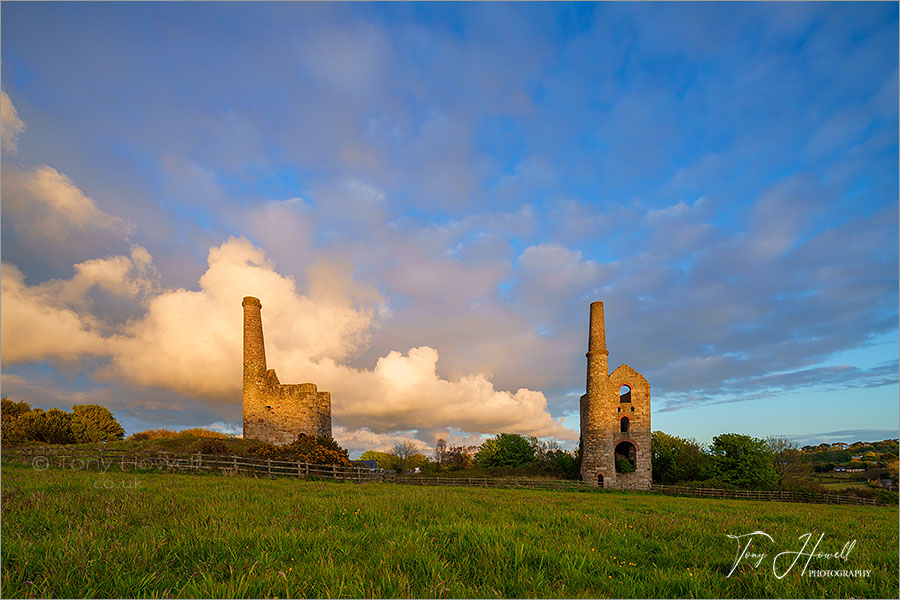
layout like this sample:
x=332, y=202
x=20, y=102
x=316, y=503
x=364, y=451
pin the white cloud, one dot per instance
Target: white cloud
x=53, y=319
x=364, y=439
x=35, y=326
x=189, y=342
x=12, y=125
x=47, y=204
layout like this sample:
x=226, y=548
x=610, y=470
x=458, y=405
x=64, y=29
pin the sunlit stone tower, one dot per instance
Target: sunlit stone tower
x=615, y=418
x=273, y=412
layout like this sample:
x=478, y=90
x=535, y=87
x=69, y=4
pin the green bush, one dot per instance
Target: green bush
x=505, y=450
x=10, y=410
x=743, y=461
x=58, y=427
x=623, y=465
x=887, y=497
x=94, y=423
x=308, y=449
x=11, y=429
x=212, y=446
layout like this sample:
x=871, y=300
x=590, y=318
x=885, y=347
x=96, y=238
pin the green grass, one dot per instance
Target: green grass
x=86, y=534
x=832, y=486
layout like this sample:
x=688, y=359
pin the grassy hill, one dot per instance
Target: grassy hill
x=175, y=443
x=74, y=534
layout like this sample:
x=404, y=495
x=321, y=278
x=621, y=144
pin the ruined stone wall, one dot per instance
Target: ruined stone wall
x=275, y=412
x=602, y=411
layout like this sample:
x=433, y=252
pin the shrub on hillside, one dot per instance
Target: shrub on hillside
x=94, y=423
x=164, y=434
x=57, y=427
x=21, y=424
x=205, y=433
x=152, y=434
x=11, y=429
x=308, y=449
x=9, y=409
x=212, y=446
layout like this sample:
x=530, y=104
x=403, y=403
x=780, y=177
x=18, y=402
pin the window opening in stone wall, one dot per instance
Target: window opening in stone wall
x=625, y=394
x=623, y=425
x=625, y=456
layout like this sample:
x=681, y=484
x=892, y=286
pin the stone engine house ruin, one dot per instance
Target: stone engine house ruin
x=615, y=418
x=274, y=412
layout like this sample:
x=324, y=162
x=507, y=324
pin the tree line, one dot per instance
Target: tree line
x=503, y=451
x=85, y=423
x=742, y=461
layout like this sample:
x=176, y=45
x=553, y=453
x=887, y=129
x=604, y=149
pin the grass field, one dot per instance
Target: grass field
x=86, y=534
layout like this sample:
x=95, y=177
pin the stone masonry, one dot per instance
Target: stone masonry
x=606, y=404
x=274, y=412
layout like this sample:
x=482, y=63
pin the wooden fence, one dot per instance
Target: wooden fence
x=497, y=482
x=778, y=495
x=101, y=459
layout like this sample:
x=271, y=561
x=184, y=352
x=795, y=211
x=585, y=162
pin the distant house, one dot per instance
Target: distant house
x=855, y=470
x=840, y=469
x=856, y=457
x=838, y=446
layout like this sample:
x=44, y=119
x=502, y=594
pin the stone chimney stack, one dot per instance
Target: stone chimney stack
x=597, y=354
x=254, y=347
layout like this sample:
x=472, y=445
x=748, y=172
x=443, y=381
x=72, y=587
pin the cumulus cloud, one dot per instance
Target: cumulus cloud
x=55, y=319
x=36, y=326
x=48, y=204
x=365, y=439
x=12, y=125
x=405, y=390
x=189, y=341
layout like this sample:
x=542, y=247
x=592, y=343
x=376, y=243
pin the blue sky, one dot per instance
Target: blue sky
x=464, y=179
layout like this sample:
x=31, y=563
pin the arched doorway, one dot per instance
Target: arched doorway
x=600, y=479
x=625, y=457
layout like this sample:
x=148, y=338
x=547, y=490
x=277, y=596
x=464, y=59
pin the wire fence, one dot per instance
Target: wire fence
x=101, y=459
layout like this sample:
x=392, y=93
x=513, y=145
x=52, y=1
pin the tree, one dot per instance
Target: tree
x=791, y=466
x=10, y=410
x=58, y=427
x=743, y=461
x=94, y=423
x=440, y=452
x=32, y=425
x=892, y=467
x=407, y=456
x=461, y=457
x=505, y=450
x=11, y=428
x=676, y=459
x=385, y=461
